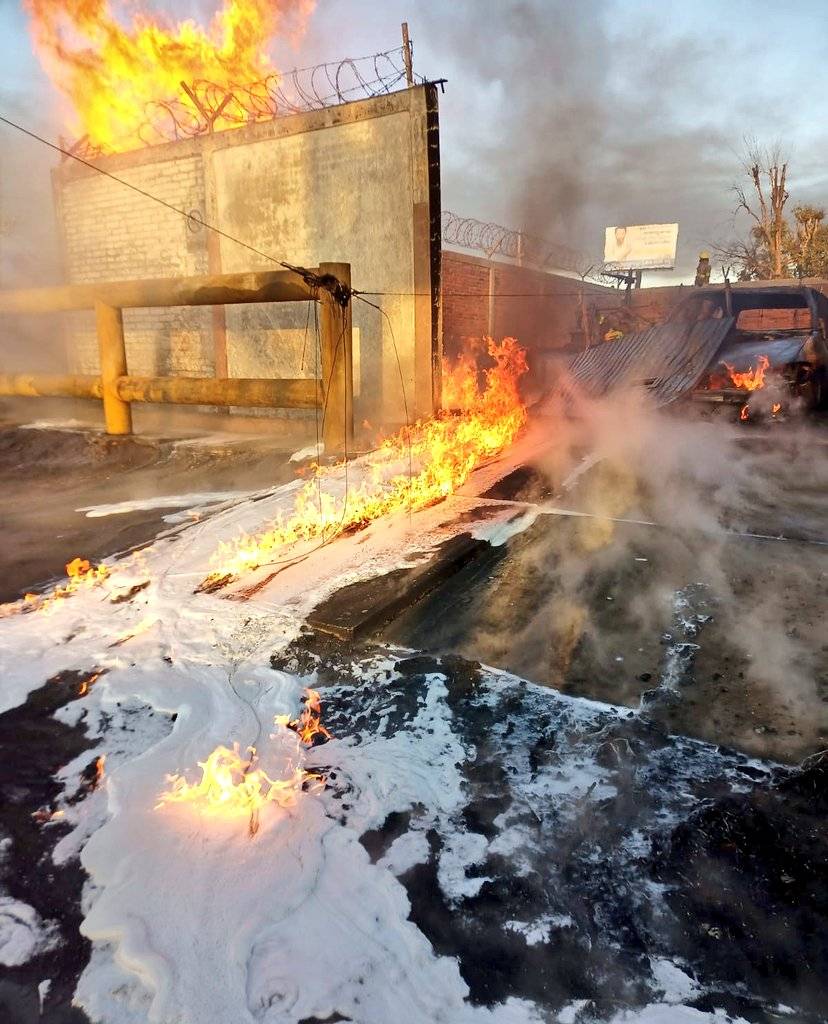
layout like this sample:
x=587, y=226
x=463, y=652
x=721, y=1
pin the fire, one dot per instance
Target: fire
x=750, y=380
x=83, y=688
x=118, y=79
x=81, y=575
x=776, y=408
x=308, y=725
x=442, y=453
x=143, y=626
x=744, y=413
x=234, y=786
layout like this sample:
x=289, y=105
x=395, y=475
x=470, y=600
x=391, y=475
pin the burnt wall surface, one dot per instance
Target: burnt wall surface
x=111, y=233
x=352, y=183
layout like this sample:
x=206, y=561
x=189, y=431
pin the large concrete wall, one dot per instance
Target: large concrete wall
x=357, y=183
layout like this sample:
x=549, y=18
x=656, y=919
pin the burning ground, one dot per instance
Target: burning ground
x=471, y=843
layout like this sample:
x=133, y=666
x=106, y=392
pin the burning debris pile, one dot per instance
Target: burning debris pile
x=420, y=465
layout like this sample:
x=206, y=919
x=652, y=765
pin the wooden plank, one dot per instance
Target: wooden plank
x=298, y=393
x=362, y=607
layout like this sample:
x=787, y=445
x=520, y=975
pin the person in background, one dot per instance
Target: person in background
x=703, y=270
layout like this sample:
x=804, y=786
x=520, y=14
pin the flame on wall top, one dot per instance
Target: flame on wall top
x=114, y=74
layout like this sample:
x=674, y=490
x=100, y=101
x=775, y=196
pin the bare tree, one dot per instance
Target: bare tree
x=764, y=253
x=768, y=170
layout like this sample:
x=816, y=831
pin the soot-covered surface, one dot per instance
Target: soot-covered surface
x=596, y=863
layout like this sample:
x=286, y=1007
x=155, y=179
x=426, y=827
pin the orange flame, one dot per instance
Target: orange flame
x=776, y=408
x=750, y=380
x=308, y=725
x=744, y=413
x=81, y=575
x=443, y=452
x=83, y=689
x=234, y=786
x=115, y=77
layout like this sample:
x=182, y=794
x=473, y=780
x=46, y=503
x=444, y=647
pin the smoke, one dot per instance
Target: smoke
x=563, y=118
x=604, y=602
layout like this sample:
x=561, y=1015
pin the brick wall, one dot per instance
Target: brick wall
x=465, y=283
x=542, y=310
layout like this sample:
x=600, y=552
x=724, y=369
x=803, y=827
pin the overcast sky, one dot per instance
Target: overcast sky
x=561, y=117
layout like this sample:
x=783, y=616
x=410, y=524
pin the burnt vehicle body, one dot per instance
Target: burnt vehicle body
x=774, y=356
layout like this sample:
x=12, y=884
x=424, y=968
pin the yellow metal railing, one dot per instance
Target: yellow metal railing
x=333, y=393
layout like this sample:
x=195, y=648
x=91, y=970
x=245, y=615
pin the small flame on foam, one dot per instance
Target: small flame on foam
x=233, y=785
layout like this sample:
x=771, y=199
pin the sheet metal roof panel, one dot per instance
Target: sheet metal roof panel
x=668, y=359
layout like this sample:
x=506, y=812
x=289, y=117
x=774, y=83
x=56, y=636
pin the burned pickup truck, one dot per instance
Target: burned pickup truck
x=774, y=356
x=758, y=348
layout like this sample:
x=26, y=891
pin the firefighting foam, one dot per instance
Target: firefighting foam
x=120, y=80
x=234, y=785
x=415, y=468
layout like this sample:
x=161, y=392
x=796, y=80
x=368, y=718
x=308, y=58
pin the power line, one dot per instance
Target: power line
x=194, y=219
x=142, y=192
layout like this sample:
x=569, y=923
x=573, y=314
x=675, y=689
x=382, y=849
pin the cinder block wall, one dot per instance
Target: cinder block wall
x=356, y=183
x=111, y=233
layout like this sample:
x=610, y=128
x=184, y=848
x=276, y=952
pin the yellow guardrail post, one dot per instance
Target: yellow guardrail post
x=110, y=325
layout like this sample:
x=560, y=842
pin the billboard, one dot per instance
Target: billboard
x=641, y=247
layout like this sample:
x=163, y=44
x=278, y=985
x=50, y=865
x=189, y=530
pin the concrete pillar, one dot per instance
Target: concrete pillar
x=110, y=325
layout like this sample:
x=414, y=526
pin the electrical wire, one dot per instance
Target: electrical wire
x=360, y=296
x=142, y=192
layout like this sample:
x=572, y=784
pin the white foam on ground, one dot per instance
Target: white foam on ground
x=668, y=1013
x=190, y=918
x=198, y=499
x=22, y=933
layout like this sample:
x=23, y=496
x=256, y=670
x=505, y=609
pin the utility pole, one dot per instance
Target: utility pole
x=407, y=59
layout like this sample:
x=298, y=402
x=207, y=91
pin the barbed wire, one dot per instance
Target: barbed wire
x=496, y=240
x=205, y=106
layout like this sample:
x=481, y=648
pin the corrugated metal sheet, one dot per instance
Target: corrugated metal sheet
x=667, y=359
